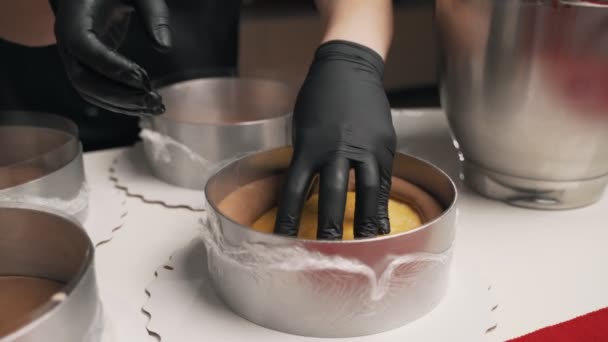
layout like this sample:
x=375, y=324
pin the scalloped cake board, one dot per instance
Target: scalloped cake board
x=107, y=210
x=131, y=172
x=184, y=307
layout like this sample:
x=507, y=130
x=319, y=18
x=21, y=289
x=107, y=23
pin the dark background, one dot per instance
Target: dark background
x=282, y=35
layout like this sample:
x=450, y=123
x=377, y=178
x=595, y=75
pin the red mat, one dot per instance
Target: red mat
x=592, y=327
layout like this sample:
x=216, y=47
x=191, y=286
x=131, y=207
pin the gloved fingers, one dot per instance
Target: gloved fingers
x=384, y=224
x=385, y=157
x=113, y=96
x=292, y=200
x=155, y=15
x=92, y=52
x=367, y=189
x=99, y=102
x=332, y=198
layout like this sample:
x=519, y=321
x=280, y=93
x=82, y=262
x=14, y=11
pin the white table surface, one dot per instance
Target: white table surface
x=126, y=264
x=545, y=267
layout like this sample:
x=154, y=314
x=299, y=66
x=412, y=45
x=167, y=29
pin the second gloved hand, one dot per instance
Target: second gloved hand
x=342, y=120
x=88, y=32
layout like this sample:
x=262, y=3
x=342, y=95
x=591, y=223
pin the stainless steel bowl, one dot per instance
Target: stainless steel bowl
x=40, y=244
x=524, y=86
x=323, y=288
x=41, y=162
x=211, y=120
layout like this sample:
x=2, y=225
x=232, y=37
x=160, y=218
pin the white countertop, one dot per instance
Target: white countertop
x=545, y=267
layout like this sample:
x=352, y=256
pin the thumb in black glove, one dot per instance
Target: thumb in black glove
x=88, y=32
x=342, y=120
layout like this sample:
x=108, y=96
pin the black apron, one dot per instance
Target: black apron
x=205, y=40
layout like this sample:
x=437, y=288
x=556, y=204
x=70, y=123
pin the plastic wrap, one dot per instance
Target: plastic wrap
x=176, y=163
x=183, y=282
x=76, y=206
x=160, y=144
x=363, y=291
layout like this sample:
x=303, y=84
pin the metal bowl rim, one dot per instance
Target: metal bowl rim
x=219, y=124
x=48, y=308
x=445, y=213
x=72, y=132
x=80, y=155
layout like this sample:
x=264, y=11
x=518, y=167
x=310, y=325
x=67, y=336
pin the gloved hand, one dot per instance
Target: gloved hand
x=342, y=120
x=88, y=32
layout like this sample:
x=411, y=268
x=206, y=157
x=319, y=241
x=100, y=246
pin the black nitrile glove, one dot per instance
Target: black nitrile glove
x=342, y=120
x=88, y=32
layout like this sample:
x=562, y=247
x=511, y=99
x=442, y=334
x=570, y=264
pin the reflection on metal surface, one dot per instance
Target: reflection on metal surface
x=38, y=243
x=41, y=162
x=524, y=85
x=215, y=120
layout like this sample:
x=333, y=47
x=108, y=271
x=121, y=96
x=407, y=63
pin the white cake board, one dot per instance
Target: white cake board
x=132, y=173
x=106, y=212
x=184, y=307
